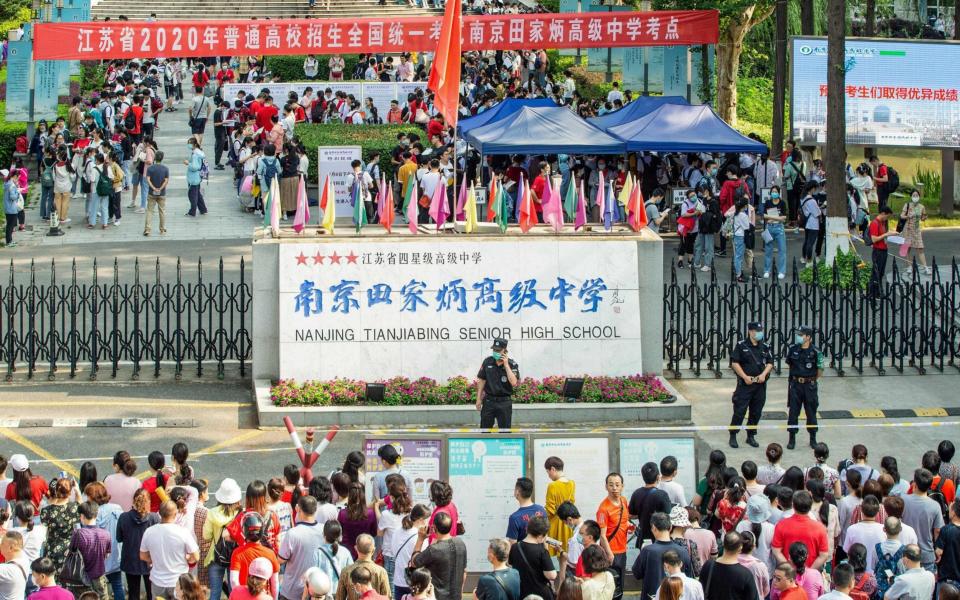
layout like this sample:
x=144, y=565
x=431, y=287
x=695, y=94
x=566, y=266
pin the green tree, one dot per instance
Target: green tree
x=10, y=11
x=737, y=18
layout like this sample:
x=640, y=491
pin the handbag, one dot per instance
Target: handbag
x=766, y=236
x=903, y=219
x=421, y=117
x=247, y=186
x=74, y=570
x=223, y=550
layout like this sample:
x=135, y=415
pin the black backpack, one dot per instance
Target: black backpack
x=711, y=219
x=130, y=119
x=936, y=494
x=893, y=180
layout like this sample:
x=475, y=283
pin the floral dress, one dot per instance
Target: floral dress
x=911, y=231
x=60, y=520
x=730, y=514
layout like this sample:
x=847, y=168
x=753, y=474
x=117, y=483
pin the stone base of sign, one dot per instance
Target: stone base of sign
x=570, y=414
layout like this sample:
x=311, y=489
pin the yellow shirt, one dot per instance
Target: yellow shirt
x=403, y=174
x=558, y=492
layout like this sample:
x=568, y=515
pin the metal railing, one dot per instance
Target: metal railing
x=147, y=319
x=907, y=321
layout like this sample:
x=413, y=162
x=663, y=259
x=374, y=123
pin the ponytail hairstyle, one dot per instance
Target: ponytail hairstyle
x=24, y=512
x=180, y=453
x=818, y=491
x=749, y=542
x=129, y=467
x=353, y=464
x=156, y=461
x=756, y=529
x=417, y=513
x=798, y=556
x=179, y=496
x=275, y=489
x=120, y=458
x=419, y=580
x=88, y=474
x=735, y=490
x=331, y=533
x=255, y=585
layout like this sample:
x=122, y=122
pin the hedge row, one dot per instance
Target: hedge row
x=8, y=136
x=368, y=137
x=290, y=68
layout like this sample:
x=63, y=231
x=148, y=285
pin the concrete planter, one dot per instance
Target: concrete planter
x=567, y=414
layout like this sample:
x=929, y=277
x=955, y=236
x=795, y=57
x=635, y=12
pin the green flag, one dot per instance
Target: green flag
x=570, y=200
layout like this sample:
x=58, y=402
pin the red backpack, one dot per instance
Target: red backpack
x=857, y=592
x=21, y=145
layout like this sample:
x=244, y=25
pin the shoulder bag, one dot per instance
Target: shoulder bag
x=333, y=563
x=74, y=570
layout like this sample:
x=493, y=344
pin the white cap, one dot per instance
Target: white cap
x=4, y=173
x=316, y=581
x=229, y=492
x=19, y=462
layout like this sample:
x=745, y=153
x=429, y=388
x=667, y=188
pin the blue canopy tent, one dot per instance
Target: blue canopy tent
x=542, y=130
x=679, y=128
x=507, y=107
x=642, y=106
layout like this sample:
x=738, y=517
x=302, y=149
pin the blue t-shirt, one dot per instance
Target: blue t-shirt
x=517, y=524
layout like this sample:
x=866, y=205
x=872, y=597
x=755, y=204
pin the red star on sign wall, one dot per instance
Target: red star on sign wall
x=352, y=258
x=335, y=258
x=301, y=260
x=318, y=258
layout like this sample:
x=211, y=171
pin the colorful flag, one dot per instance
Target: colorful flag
x=636, y=210
x=411, y=205
x=357, y=203
x=470, y=212
x=462, y=200
x=570, y=200
x=611, y=209
x=624, y=197
x=386, y=211
x=528, y=211
x=445, y=72
x=328, y=203
x=602, y=194
x=501, y=208
x=492, y=199
x=275, y=206
x=553, y=210
x=302, y=217
x=581, y=217
x=439, y=210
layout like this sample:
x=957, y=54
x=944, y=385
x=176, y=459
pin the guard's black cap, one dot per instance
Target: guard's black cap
x=755, y=326
x=805, y=330
x=499, y=344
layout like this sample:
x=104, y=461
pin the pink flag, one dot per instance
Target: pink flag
x=553, y=209
x=413, y=207
x=438, y=204
x=462, y=201
x=302, y=217
x=381, y=195
x=581, y=218
x=602, y=194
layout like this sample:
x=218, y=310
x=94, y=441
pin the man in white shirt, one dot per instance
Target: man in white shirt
x=298, y=548
x=843, y=580
x=615, y=93
x=169, y=550
x=668, y=474
x=673, y=566
x=14, y=572
x=915, y=583
x=867, y=532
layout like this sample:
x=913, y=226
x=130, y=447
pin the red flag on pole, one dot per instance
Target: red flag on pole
x=445, y=72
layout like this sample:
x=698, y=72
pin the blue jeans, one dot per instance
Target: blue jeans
x=388, y=564
x=738, y=252
x=99, y=206
x=125, y=165
x=116, y=585
x=780, y=244
x=217, y=584
x=703, y=249
x=46, y=202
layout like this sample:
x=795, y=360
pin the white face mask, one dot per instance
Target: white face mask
x=914, y=199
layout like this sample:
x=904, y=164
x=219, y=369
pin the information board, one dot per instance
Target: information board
x=585, y=462
x=419, y=459
x=46, y=89
x=898, y=92
x=19, y=64
x=483, y=474
x=634, y=452
x=335, y=162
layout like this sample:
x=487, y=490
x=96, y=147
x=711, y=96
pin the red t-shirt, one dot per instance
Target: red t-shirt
x=537, y=187
x=150, y=484
x=881, y=174
x=801, y=528
x=434, y=127
x=265, y=117
x=200, y=79
x=878, y=228
x=235, y=528
x=138, y=117
x=38, y=489
x=245, y=554
x=949, y=489
x=225, y=76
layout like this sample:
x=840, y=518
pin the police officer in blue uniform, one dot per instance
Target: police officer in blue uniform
x=498, y=376
x=752, y=362
x=806, y=367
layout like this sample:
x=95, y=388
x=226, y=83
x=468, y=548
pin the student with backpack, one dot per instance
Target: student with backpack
x=710, y=222
x=923, y=514
x=195, y=165
x=809, y=214
x=889, y=555
x=794, y=181
x=46, y=183
x=102, y=190
x=886, y=180
x=774, y=237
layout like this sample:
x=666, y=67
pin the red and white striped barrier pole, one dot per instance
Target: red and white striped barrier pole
x=307, y=461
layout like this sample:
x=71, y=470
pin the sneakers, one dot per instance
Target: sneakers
x=140, y=211
x=740, y=279
x=780, y=276
x=131, y=205
x=705, y=269
x=116, y=223
x=12, y=245
x=146, y=234
x=65, y=221
x=766, y=274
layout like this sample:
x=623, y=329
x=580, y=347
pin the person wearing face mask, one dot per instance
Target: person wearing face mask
x=498, y=375
x=774, y=237
x=806, y=367
x=752, y=361
x=912, y=215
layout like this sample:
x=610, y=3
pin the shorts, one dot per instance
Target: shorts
x=198, y=126
x=170, y=90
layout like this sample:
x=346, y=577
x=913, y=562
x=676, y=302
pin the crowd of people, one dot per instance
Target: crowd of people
x=757, y=531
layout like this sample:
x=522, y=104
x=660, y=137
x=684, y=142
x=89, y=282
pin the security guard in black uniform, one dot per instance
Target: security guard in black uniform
x=752, y=362
x=806, y=366
x=498, y=376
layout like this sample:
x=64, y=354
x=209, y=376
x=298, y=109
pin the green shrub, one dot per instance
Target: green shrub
x=8, y=136
x=290, y=68
x=368, y=137
x=850, y=269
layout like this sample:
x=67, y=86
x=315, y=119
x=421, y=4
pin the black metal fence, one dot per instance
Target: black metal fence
x=912, y=321
x=146, y=318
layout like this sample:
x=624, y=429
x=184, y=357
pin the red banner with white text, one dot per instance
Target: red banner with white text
x=132, y=39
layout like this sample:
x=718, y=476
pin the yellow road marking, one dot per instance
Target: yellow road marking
x=930, y=412
x=158, y=403
x=32, y=447
x=867, y=413
x=247, y=435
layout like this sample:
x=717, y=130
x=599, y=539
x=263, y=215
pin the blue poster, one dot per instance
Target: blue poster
x=46, y=89
x=675, y=65
x=653, y=57
x=19, y=63
x=597, y=57
x=634, y=452
x=633, y=69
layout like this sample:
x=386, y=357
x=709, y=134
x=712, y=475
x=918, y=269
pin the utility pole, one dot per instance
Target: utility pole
x=837, y=235
x=779, y=77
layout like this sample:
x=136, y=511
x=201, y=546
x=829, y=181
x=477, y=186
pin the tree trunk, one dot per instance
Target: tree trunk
x=779, y=77
x=956, y=19
x=807, y=25
x=870, y=28
x=837, y=235
x=728, y=64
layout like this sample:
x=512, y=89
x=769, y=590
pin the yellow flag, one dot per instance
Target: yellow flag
x=470, y=210
x=624, y=196
x=330, y=212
